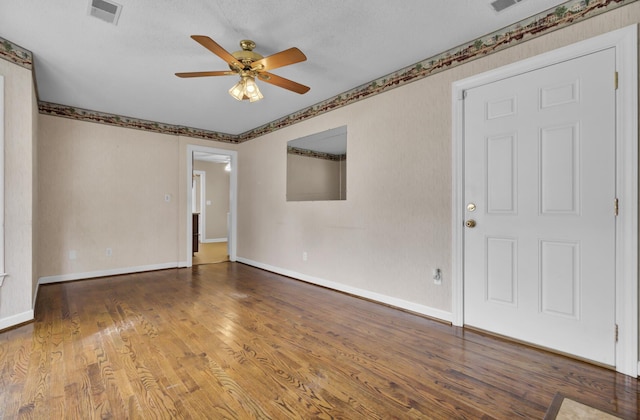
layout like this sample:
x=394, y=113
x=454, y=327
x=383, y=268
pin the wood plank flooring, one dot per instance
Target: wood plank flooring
x=231, y=341
x=210, y=253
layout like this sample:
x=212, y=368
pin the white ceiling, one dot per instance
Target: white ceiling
x=129, y=69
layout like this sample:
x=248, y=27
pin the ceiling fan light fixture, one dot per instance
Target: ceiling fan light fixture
x=251, y=90
x=237, y=91
x=246, y=88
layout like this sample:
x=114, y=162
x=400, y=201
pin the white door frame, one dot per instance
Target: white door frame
x=203, y=214
x=2, y=242
x=626, y=270
x=233, y=194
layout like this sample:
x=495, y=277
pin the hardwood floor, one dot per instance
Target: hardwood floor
x=231, y=341
x=210, y=253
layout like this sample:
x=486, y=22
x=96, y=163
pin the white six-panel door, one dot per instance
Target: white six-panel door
x=539, y=184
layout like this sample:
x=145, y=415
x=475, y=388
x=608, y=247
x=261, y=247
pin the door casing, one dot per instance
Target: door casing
x=626, y=271
x=233, y=201
x=203, y=195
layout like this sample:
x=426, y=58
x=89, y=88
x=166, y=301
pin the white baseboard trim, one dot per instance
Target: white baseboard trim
x=210, y=241
x=103, y=273
x=16, y=319
x=398, y=303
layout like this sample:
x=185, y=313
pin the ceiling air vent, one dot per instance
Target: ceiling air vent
x=500, y=5
x=105, y=10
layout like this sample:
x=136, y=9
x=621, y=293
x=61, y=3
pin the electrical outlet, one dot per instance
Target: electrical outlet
x=109, y=252
x=167, y=197
x=73, y=255
x=437, y=276
x=304, y=256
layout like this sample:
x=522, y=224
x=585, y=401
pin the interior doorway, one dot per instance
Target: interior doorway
x=211, y=205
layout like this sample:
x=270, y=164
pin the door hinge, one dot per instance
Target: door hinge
x=616, y=207
x=615, y=80
x=616, y=333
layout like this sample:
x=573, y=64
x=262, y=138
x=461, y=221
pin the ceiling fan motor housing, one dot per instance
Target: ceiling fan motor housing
x=246, y=56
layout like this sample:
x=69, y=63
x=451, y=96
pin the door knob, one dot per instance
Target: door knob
x=470, y=223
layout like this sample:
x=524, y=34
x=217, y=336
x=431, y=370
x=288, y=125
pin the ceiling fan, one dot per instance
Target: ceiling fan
x=248, y=65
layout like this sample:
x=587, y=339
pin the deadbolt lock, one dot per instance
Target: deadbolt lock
x=470, y=223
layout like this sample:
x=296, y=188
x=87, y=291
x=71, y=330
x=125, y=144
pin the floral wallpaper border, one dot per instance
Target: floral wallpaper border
x=568, y=13
x=135, y=123
x=317, y=155
x=16, y=54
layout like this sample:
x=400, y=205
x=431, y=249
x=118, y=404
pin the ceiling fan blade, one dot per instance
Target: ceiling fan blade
x=205, y=73
x=283, y=83
x=213, y=46
x=283, y=58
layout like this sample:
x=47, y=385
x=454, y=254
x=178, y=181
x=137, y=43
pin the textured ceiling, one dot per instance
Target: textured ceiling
x=128, y=69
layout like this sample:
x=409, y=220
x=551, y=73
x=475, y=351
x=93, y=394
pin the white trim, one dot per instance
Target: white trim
x=625, y=42
x=398, y=303
x=16, y=319
x=210, y=241
x=2, y=242
x=233, y=194
x=105, y=273
x=202, y=228
x=627, y=192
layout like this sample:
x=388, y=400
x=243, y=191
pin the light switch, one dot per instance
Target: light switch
x=208, y=202
x=437, y=276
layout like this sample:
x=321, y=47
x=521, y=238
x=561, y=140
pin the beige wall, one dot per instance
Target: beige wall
x=217, y=191
x=17, y=292
x=104, y=187
x=312, y=179
x=395, y=226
